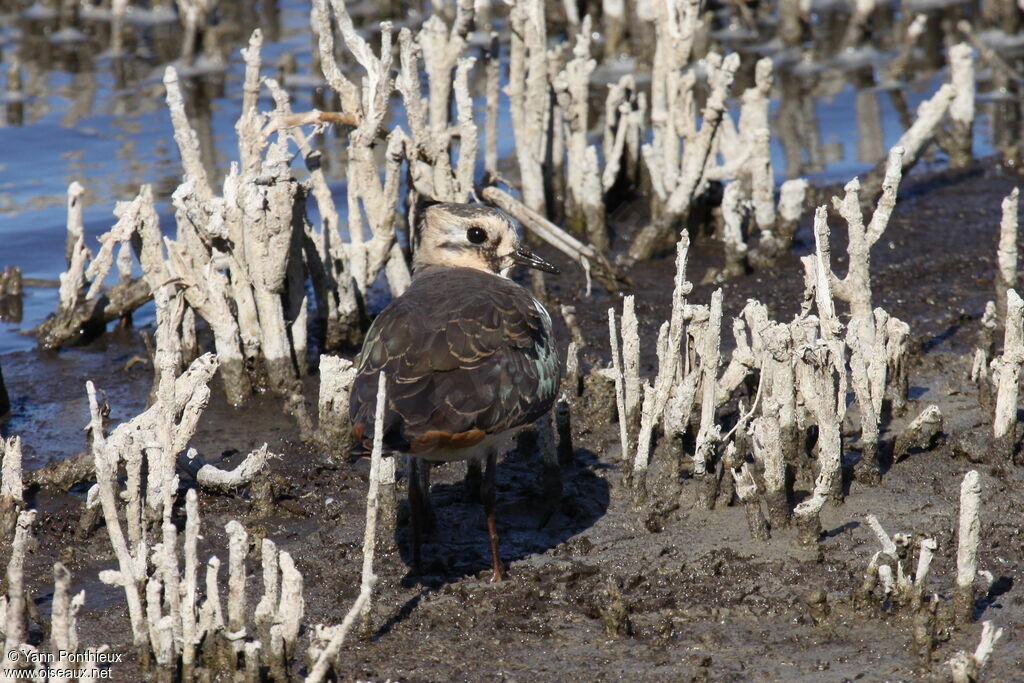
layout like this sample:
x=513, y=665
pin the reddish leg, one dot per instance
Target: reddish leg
x=488, y=492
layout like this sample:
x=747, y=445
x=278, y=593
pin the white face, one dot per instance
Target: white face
x=469, y=236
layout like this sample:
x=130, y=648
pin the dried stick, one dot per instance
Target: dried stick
x=492, y=61
x=348, y=91
x=272, y=225
x=211, y=619
x=1006, y=373
x=966, y=667
x=210, y=477
x=856, y=26
x=159, y=434
x=336, y=378
x=1006, y=255
x=185, y=136
x=766, y=435
x=190, y=636
x=684, y=394
x=63, y=622
x=746, y=491
x=896, y=69
x=961, y=109
x=928, y=546
x=130, y=574
x=779, y=378
x=118, y=236
x=733, y=218
x=779, y=239
x=656, y=400
x=892, y=359
x=709, y=435
x=528, y=91
x=15, y=627
x=572, y=370
x=620, y=384
x=206, y=291
x=822, y=387
x=431, y=135
x=72, y=280
x=914, y=141
x=990, y=56
x=671, y=99
x=315, y=117
x=327, y=657
x=625, y=111
x=968, y=538
x=817, y=278
x=80, y=315
x=468, y=135
x=251, y=55
x=75, y=226
x=748, y=356
x=919, y=433
x=586, y=209
x=870, y=580
x=324, y=254
x=868, y=371
x=754, y=128
x=11, y=485
x=442, y=49
x=888, y=546
x=291, y=608
x=985, y=349
x=366, y=192
x=631, y=366
x=681, y=186
x=266, y=609
x=587, y=256
x=238, y=544
x=250, y=142
x=929, y=114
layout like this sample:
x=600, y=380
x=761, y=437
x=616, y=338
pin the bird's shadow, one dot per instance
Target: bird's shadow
x=536, y=511
x=999, y=587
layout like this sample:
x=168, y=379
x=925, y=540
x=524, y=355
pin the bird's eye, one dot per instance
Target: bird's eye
x=476, y=235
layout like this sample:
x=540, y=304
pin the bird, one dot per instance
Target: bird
x=468, y=355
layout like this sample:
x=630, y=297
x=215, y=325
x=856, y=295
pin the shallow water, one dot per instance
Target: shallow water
x=87, y=117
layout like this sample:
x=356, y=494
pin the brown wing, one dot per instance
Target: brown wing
x=465, y=354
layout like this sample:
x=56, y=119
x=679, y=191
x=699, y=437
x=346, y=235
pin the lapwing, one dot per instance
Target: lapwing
x=468, y=355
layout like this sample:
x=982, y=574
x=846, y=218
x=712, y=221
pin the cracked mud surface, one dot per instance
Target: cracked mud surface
x=598, y=589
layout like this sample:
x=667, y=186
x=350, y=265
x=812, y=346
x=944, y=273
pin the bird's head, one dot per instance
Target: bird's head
x=472, y=236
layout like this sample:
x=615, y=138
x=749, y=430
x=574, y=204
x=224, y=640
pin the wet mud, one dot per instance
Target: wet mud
x=599, y=587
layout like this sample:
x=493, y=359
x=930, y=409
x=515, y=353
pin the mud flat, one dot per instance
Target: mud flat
x=599, y=586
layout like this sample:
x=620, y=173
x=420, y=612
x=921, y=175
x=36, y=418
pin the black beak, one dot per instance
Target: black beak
x=524, y=256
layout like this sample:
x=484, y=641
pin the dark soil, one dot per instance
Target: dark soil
x=598, y=589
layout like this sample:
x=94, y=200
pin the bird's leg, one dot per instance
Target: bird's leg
x=489, y=492
x=474, y=481
x=415, y=511
x=428, y=518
